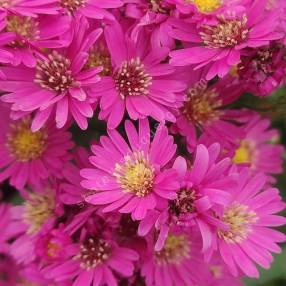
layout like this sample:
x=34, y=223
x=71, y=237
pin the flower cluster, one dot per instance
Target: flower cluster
x=123, y=136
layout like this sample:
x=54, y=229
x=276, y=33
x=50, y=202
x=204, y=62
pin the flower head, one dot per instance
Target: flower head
x=135, y=178
x=26, y=156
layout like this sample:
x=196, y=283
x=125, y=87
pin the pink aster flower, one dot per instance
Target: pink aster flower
x=31, y=34
x=35, y=217
x=152, y=17
x=258, y=149
x=250, y=216
x=58, y=86
x=138, y=81
x=206, y=111
x=180, y=262
x=94, y=260
x=132, y=178
x=262, y=71
x=94, y=9
x=28, y=157
x=218, y=45
x=203, y=191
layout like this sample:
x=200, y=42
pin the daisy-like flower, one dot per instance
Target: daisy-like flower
x=139, y=82
x=203, y=191
x=180, y=262
x=94, y=260
x=94, y=9
x=258, y=149
x=262, y=71
x=31, y=157
x=132, y=178
x=219, y=43
x=59, y=85
x=151, y=16
x=205, y=111
x=37, y=215
x=31, y=34
x=250, y=216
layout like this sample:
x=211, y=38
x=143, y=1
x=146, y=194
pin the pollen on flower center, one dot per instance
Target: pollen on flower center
x=54, y=73
x=207, y=5
x=184, y=202
x=202, y=105
x=24, y=144
x=227, y=33
x=26, y=28
x=38, y=209
x=131, y=79
x=93, y=252
x=136, y=175
x=244, y=153
x=176, y=248
x=99, y=56
x=72, y=5
x=239, y=219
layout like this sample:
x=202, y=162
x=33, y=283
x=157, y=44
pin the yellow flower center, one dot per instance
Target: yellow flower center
x=24, y=27
x=206, y=6
x=38, y=209
x=99, y=56
x=176, y=248
x=202, y=105
x=244, y=153
x=238, y=218
x=135, y=175
x=24, y=144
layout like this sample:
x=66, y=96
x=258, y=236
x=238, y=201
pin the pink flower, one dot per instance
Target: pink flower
x=59, y=86
x=262, y=71
x=28, y=157
x=178, y=263
x=93, y=261
x=203, y=191
x=250, y=216
x=258, y=148
x=218, y=45
x=29, y=35
x=206, y=111
x=138, y=81
x=132, y=178
x=36, y=217
x=151, y=17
